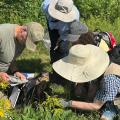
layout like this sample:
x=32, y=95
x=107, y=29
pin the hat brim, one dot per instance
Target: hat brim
x=81, y=74
x=71, y=16
x=29, y=44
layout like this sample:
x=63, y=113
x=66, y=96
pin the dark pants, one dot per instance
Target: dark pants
x=57, y=54
x=109, y=111
x=62, y=49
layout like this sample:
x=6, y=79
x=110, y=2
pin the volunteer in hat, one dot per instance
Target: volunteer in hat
x=104, y=40
x=60, y=14
x=85, y=66
x=13, y=39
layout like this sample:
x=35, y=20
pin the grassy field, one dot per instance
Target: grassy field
x=34, y=62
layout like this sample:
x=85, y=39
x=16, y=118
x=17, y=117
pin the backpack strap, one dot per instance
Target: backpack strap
x=113, y=69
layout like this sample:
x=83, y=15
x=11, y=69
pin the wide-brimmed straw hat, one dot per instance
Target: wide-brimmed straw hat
x=35, y=34
x=84, y=63
x=63, y=10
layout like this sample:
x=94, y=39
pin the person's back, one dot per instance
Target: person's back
x=13, y=39
x=8, y=46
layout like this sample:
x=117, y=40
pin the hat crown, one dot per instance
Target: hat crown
x=64, y=6
x=77, y=28
x=36, y=31
x=35, y=34
x=77, y=56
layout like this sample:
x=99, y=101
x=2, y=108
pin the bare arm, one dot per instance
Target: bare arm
x=87, y=106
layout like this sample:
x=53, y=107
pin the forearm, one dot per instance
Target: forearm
x=85, y=105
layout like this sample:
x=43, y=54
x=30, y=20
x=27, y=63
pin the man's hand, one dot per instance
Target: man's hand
x=4, y=76
x=20, y=76
x=65, y=103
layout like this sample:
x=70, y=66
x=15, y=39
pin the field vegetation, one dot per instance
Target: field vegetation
x=99, y=15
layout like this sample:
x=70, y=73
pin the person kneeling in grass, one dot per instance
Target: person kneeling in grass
x=106, y=41
x=86, y=63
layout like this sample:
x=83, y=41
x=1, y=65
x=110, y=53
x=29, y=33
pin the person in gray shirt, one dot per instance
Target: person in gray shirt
x=13, y=39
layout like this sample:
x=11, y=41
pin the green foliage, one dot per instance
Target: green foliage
x=106, y=9
x=57, y=89
x=50, y=111
x=52, y=103
x=20, y=11
x=104, y=25
x=61, y=91
x=3, y=84
x=38, y=59
x=5, y=107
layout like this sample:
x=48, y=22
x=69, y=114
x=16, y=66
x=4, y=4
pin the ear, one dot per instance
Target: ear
x=24, y=28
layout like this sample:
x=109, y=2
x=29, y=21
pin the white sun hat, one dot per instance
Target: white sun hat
x=84, y=63
x=63, y=10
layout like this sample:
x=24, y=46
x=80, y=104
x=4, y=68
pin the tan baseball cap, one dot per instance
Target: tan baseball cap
x=35, y=34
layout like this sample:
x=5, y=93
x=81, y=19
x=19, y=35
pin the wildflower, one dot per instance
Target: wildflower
x=2, y=114
x=3, y=83
x=7, y=104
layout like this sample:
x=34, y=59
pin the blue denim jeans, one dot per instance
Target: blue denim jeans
x=109, y=115
x=109, y=111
